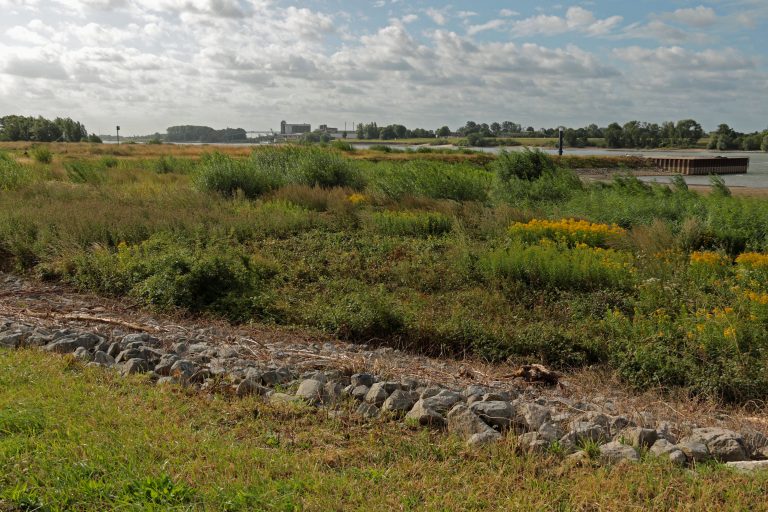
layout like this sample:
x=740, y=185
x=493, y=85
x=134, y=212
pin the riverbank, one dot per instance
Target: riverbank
x=199, y=415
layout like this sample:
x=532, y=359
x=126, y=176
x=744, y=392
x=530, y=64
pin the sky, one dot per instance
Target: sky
x=150, y=64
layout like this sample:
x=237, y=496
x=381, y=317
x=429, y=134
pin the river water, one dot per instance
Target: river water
x=756, y=177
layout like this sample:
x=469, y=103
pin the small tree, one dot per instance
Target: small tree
x=443, y=131
x=764, y=145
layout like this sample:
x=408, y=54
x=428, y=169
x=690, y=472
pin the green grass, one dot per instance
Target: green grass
x=86, y=439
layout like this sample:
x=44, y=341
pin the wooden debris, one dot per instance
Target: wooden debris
x=536, y=373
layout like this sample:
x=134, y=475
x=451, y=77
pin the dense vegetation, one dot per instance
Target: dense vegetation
x=685, y=133
x=506, y=258
x=189, y=133
x=39, y=129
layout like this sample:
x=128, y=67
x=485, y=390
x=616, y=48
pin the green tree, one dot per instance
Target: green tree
x=613, y=135
x=443, y=131
x=387, y=133
x=371, y=131
x=688, y=132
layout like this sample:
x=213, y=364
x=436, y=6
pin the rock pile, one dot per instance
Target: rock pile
x=478, y=414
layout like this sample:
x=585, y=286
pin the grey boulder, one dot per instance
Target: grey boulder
x=616, y=451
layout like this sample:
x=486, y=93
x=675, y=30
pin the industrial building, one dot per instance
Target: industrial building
x=294, y=129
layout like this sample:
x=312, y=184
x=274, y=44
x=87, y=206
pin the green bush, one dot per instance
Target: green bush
x=362, y=315
x=717, y=353
x=226, y=175
x=409, y=223
x=12, y=174
x=306, y=165
x=528, y=164
x=552, y=186
x=169, y=272
x=272, y=167
x=41, y=154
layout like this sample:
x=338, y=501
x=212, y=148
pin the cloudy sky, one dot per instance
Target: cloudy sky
x=149, y=64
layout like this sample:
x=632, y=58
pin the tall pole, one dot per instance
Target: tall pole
x=118, y=135
x=560, y=141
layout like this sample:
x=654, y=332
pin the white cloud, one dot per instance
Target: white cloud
x=489, y=25
x=696, y=17
x=153, y=63
x=661, y=32
x=508, y=13
x=576, y=19
x=437, y=16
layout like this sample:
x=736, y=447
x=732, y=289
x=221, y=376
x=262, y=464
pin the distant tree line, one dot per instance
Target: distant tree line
x=191, y=133
x=633, y=134
x=391, y=132
x=725, y=138
x=40, y=129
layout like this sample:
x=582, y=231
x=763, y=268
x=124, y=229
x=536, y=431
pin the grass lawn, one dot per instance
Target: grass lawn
x=76, y=438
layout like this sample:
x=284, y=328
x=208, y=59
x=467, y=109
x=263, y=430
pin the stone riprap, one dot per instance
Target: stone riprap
x=480, y=415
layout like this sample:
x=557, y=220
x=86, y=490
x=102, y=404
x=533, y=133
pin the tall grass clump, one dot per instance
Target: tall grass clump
x=529, y=164
x=532, y=176
x=41, y=154
x=307, y=165
x=550, y=265
x=277, y=218
x=12, y=174
x=226, y=175
x=84, y=172
x=409, y=223
x=342, y=145
x=436, y=180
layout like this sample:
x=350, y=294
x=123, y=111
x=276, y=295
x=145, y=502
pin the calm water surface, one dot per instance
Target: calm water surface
x=757, y=176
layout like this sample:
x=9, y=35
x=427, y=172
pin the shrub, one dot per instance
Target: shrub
x=12, y=174
x=409, y=223
x=41, y=154
x=553, y=185
x=167, y=272
x=220, y=173
x=529, y=164
x=716, y=352
x=363, y=315
x=306, y=165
